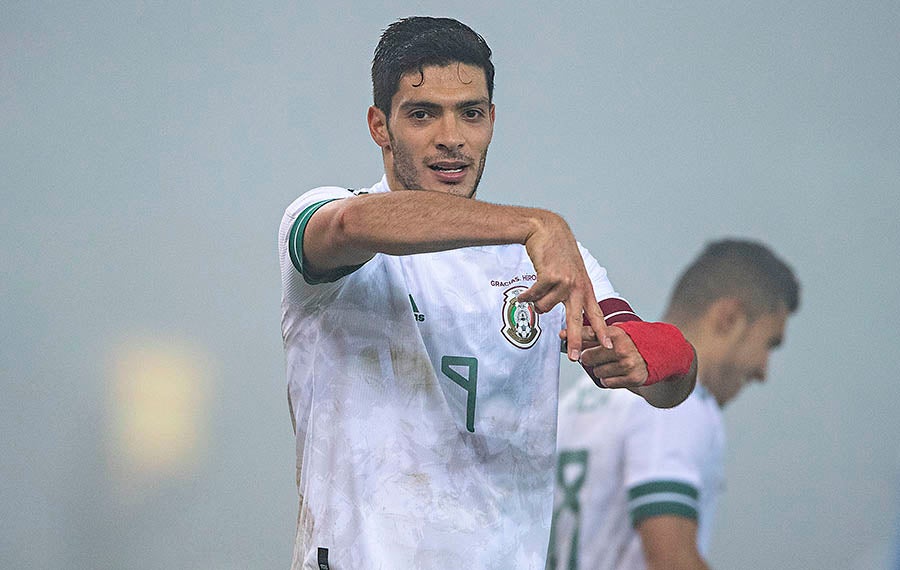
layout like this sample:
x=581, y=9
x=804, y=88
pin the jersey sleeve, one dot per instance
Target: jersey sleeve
x=298, y=285
x=603, y=289
x=665, y=455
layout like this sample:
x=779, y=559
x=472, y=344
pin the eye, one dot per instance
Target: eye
x=419, y=115
x=473, y=113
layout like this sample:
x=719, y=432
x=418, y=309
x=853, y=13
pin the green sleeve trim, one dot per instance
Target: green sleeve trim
x=663, y=487
x=645, y=512
x=662, y=498
x=295, y=248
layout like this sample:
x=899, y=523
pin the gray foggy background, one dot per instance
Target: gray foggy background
x=148, y=151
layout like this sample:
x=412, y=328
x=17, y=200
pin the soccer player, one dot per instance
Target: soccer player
x=637, y=486
x=422, y=333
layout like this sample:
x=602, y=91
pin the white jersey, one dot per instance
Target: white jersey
x=621, y=461
x=425, y=400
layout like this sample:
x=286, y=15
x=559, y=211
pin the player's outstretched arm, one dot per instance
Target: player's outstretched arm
x=350, y=232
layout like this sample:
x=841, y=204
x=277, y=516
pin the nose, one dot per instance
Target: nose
x=449, y=136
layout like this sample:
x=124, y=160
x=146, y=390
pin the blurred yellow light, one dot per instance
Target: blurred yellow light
x=158, y=411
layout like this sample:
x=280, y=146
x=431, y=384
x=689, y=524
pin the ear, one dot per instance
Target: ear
x=727, y=317
x=378, y=127
x=493, y=113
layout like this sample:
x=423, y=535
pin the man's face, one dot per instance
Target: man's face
x=746, y=357
x=439, y=130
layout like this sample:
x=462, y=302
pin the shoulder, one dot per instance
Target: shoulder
x=312, y=199
x=308, y=202
x=603, y=288
x=587, y=257
x=315, y=196
x=674, y=443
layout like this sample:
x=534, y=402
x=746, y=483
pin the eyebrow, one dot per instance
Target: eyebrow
x=432, y=106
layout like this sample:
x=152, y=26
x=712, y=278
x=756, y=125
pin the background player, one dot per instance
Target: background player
x=420, y=331
x=637, y=486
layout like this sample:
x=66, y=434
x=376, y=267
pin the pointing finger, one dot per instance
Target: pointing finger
x=594, y=315
x=573, y=326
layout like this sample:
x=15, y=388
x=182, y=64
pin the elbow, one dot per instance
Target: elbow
x=341, y=225
x=682, y=385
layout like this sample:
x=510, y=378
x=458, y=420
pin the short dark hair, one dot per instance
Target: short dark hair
x=411, y=44
x=742, y=269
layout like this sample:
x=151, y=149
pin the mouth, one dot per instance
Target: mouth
x=449, y=167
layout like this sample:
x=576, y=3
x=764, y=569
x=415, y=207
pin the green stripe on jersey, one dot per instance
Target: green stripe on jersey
x=662, y=487
x=662, y=498
x=644, y=512
x=295, y=237
x=295, y=247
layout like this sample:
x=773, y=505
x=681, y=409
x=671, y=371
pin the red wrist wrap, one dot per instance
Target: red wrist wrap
x=663, y=348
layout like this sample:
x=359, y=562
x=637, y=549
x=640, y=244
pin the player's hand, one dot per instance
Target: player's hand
x=562, y=278
x=588, y=339
x=619, y=367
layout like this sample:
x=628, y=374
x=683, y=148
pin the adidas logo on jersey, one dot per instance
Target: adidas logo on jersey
x=420, y=317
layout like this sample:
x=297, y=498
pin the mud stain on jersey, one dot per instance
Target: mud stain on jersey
x=370, y=367
x=412, y=368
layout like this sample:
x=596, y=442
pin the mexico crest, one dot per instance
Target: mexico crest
x=521, y=322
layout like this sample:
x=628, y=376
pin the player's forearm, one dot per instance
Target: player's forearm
x=408, y=222
x=671, y=392
x=351, y=231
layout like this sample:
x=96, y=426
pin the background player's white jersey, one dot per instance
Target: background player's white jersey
x=621, y=461
x=425, y=402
